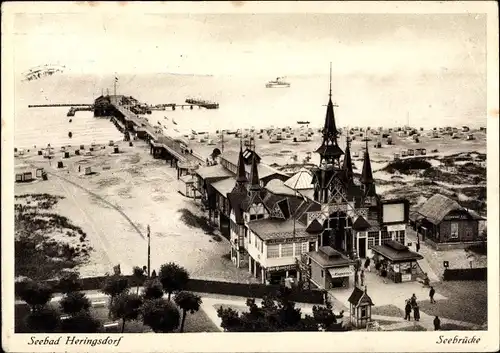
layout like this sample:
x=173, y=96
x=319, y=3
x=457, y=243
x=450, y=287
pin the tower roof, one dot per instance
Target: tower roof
x=242, y=175
x=329, y=148
x=347, y=161
x=366, y=173
x=254, y=176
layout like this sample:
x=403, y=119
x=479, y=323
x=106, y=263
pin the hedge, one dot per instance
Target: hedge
x=465, y=274
x=252, y=290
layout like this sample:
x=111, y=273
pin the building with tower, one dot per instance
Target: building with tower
x=318, y=220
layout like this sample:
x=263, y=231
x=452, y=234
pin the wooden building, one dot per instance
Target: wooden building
x=360, y=307
x=398, y=261
x=329, y=268
x=444, y=223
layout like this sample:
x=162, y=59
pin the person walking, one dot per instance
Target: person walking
x=408, y=310
x=418, y=246
x=356, y=278
x=437, y=324
x=431, y=295
x=413, y=300
x=416, y=313
x=362, y=278
x=367, y=264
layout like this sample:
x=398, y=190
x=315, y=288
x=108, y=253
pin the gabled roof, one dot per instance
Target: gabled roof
x=395, y=251
x=268, y=229
x=224, y=186
x=300, y=180
x=437, y=207
x=359, y=296
x=214, y=171
x=314, y=227
x=326, y=257
x=360, y=224
x=366, y=173
x=277, y=186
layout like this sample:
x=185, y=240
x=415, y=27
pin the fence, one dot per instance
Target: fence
x=252, y=290
x=465, y=274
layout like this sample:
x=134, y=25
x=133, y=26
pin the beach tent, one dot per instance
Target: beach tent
x=88, y=170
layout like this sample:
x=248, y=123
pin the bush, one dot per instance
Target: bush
x=406, y=166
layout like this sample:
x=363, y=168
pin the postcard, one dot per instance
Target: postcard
x=250, y=176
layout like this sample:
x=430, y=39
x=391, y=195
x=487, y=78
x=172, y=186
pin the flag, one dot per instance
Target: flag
x=149, y=230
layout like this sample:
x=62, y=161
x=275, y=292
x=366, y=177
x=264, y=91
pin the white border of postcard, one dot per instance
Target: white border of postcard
x=251, y=342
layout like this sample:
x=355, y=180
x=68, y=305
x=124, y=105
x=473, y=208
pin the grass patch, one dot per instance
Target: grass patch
x=388, y=310
x=201, y=222
x=407, y=166
x=45, y=241
x=412, y=328
x=453, y=327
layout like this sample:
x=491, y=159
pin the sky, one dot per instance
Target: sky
x=253, y=44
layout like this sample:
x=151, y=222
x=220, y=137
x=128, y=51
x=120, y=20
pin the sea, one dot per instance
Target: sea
x=361, y=100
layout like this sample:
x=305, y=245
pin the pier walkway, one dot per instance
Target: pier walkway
x=157, y=140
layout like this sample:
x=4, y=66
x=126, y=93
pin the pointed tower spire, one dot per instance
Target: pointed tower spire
x=329, y=150
x=242, y=175
x=254, y=176
x=366, y=174
x=348, y=161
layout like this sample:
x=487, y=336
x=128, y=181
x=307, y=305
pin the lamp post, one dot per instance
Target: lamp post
x=149, y=251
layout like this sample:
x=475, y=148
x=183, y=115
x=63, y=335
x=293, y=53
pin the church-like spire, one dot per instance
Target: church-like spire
x=241, y=177
x=254, y=176
x=347, y=160
x=366, y=173
x=329, y=150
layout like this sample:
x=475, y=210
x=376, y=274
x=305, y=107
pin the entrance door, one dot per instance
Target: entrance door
x=362, y=248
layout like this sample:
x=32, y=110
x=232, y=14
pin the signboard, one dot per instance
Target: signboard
x=406, y=278
x=396, y=227
x=394, y=212
x=340, y=272
x=291, y=240
x=282, y=268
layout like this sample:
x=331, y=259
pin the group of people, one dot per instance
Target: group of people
x=411, y=304
x=359, y=276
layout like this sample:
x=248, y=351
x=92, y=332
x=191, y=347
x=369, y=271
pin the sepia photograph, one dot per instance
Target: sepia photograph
x=197, y=169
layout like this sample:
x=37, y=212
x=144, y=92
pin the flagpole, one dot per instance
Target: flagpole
x=149, y=251
x=116, y=79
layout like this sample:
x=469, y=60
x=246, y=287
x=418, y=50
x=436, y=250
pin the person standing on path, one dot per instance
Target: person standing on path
x=431, y=295
x=408, y=311
x=418, y=246
x=413, y=300
x=367, y=264
x=437, y=324
x=362, y=278
x=356, y=278
x=416, y=313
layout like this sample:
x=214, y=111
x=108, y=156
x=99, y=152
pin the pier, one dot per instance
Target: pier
x=161, y=145
x=90, y=106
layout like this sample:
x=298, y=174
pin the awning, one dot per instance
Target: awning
x=340, y=272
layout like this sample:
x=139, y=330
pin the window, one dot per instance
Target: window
x=301, y=248
x=286, y=250
x=363, y=312
x=260, y=216
x=253, y=217
x=273, y=251
x=454, y=230
x=371, y=242
x=401, y=236
x=385, y=237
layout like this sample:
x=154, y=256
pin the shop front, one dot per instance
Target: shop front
x=329, y=268
x=396, y=262
x=279, y=274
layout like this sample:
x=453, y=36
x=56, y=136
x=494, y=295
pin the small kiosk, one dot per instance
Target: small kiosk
x=361, y=308
x=397, y=262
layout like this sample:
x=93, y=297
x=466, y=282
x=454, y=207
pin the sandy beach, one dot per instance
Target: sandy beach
x=115, y=205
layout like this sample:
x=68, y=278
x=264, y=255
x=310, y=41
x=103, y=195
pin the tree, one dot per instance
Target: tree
x=35, y=294
x=74, y=302
x=173, y=278
x=126, y=306
x=278, y=313
x=114, y=286
x=152, y=289
x=138, y=276
x=82, y=322
x=70, y=282
x=43, y=320
x=160, y=315
x=187, y=302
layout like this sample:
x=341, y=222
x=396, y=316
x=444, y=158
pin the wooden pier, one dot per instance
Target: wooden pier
x=59, y=105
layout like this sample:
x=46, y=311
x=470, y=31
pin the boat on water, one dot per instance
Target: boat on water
x=301, y=122
x=278, y=83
